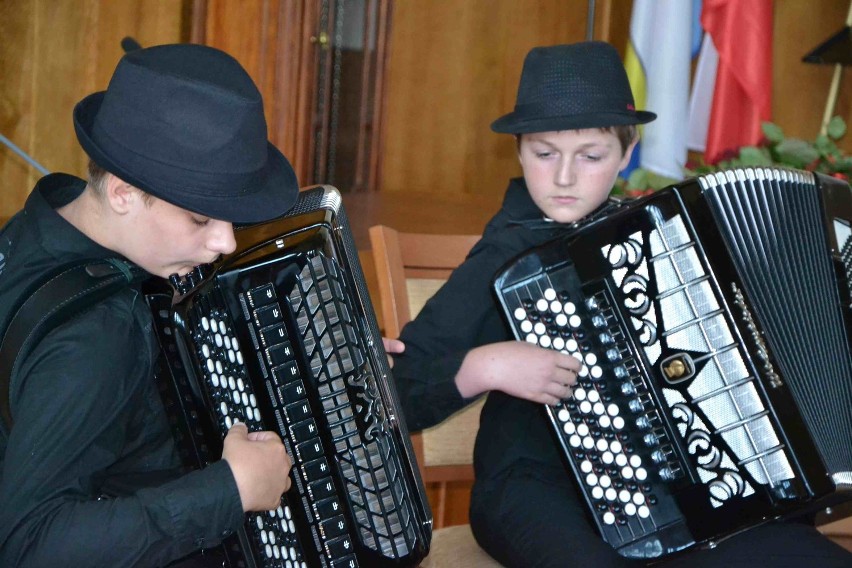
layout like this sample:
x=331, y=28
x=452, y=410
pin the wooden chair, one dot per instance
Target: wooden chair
x=839, y=531
x=410, y=267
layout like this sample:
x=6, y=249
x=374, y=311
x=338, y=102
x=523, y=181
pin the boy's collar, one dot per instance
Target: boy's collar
x=523, y=210
x=518, y=202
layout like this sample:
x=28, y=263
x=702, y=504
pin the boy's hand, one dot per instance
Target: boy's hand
x=520, y=369
x=260, y=465
x=392, y=346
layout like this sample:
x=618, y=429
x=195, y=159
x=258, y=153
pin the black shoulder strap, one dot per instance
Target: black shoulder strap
x=62, y=296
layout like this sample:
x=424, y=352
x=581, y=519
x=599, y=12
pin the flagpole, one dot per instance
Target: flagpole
x=590, y=21
x=835, y=86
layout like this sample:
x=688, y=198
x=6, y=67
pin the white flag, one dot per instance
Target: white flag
x=661, y=38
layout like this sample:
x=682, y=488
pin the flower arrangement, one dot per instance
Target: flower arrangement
x=822, y=155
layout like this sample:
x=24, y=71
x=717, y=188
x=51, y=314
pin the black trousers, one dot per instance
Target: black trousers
x=532, y=517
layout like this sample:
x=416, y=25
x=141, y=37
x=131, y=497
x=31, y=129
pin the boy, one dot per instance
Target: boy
x=575, y=125
x=90, y=476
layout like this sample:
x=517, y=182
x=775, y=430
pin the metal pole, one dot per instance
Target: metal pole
x=835, y=86
x=590, y=21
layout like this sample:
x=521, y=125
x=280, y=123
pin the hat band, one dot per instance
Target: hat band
x=189, y=181
x=545, y=110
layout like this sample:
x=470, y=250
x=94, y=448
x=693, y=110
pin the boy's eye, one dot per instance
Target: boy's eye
x=543, y=154
x=593, y=157
x=200, y=222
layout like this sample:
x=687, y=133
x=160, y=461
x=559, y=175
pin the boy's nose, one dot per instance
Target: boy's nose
x=565, y=173
x=221, y=239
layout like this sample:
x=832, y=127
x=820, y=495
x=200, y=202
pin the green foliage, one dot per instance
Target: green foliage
x=775, y=150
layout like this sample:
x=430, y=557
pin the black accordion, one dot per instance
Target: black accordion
x=712, y=319
x=281, y=335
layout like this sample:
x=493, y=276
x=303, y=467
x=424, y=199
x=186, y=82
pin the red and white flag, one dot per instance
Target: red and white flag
x=739, y=38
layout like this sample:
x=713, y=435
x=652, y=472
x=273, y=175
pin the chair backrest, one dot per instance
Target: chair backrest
x=410, y=267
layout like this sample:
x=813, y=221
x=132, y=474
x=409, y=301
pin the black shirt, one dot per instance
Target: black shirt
x=88, y=422
x=464, y=315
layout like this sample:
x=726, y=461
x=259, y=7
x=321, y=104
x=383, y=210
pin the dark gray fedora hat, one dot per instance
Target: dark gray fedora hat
x=185, y=123
x=569, y=87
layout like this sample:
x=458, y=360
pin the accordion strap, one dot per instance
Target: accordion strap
x=69, y=292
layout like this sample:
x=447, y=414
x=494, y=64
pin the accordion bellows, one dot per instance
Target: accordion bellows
x=712, y=319
x=281, y=335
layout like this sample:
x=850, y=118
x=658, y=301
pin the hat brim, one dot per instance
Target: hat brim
x=517, y=123
x=274, y=195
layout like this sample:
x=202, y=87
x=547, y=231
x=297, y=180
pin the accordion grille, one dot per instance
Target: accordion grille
x=771, y=221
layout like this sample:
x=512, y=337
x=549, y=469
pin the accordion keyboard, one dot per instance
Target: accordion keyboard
x=610, y=433
x=224, y=374
x=351, y=410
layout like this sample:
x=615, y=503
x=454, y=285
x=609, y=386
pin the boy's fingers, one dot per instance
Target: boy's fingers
x=239, y=429
x=262, y=436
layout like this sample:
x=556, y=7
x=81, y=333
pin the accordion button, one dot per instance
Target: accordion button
x=328, y=508
x=340, y=546
x=310, y=449
x=334, y=527
x=667, y=474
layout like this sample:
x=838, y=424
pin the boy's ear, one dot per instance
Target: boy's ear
x=119, y=194
x=628, y=153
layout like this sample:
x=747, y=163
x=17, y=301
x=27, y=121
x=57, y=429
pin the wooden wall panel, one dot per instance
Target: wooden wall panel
x=800, y=90
x=453, y=68
x=52, y=54
x=271, y=39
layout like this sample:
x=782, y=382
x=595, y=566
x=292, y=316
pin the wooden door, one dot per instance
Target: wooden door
x=319, y=66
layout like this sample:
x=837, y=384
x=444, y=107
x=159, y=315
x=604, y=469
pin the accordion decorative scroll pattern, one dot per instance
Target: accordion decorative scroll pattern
x=712, y=324
x=280, y=336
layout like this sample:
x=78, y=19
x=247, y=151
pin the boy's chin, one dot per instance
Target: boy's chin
x=566, y=217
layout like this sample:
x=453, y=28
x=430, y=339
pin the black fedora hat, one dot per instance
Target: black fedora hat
x=185, y=123
x=569, y=87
